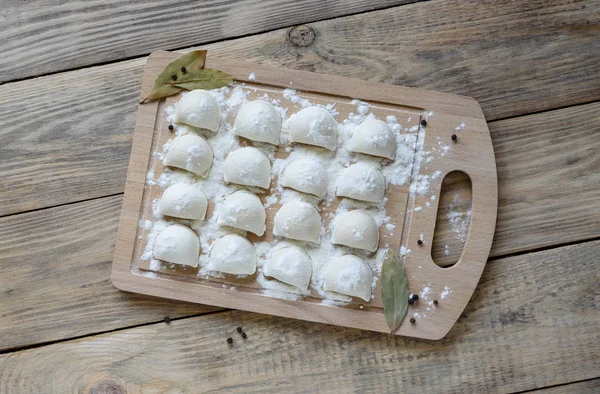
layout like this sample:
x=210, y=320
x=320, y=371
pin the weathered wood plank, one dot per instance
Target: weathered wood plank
x=59, y=144
x=533, y=322
x=45, y=37
x=55, y=269
x=585, y=387
x=513, y=57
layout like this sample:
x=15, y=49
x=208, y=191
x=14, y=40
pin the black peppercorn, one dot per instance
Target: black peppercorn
x=412, y=320
x=415, y=297
x=423, y=122
x=171, y=127
x=454, y=137
x=244, y=335
x=183, y=70
x=239, y=329
x=420, y=242
x=435, y=302
x=230, y=340
x=410, y=301
x=174, y=77
x=167, y=319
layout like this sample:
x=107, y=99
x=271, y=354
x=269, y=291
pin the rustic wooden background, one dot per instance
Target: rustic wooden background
x=70, y=76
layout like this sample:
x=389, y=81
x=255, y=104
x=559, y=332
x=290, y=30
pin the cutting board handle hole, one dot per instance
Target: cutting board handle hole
x=453, y=219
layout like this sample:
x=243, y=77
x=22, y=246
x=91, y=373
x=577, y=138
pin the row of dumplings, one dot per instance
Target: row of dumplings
x=248, y=166
x=296, y=220
x=259, y=121
x=233, y=254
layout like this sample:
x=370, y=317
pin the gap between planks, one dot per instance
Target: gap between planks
x=545, y=300
x=224, y=310
x=300, y=22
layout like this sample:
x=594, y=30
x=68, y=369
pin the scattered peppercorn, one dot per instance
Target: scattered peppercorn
x=454, y=137
x=412, y=320
x=415, y=297
x=423, y=122
x=183, y=70
x=230, y=340
x=171, y=127
x=420, y=242
x=244, y=335
x=435, y=302
x=410, y=301
x=167, y=319
x=239, y=329
x=174, y=77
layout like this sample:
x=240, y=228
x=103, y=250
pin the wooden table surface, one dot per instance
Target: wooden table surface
x=70, y=77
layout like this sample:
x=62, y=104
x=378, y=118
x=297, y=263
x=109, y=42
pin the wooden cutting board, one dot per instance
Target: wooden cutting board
x=436, y=115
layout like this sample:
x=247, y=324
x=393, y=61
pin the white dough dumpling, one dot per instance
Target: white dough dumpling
x=258, y=121
x=184, y=201
x=243, y=210
x=314, y=126
x=348, y=275
x=362, y=181
x=374, y=138
x=248, y=166
x=355, y=229
x=232, y=254
x=307, y=176
x=177, y=244
x=190, y=152
x=289, y=265
x=298, y=220
x=199, y=108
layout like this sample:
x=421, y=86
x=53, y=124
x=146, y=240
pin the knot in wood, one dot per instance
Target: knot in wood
x=107, y=386
x=301, y=36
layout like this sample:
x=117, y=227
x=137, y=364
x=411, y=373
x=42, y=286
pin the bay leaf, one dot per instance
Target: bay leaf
x=394, y=290
x=203, y=79
x=192, y=61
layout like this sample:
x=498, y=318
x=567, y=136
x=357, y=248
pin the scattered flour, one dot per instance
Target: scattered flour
x=398, y=172
x=445, y=293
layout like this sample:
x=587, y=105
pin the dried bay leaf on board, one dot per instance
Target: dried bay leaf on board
x=394, y=290
x=203, y=79
x=192, y=61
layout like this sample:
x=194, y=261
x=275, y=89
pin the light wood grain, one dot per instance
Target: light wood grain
x=591, y=386
x=513, y=57
x=473, y=155
x=55, y=267
x=45, y=37
x=531, y=323
x=58, y=145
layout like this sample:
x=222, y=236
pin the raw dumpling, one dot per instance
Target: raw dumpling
x=183, y=201
x=177, y=244
x=199, y=108
x=248, y=166
x=362, y=181
x=243, y=210
x=307, y=176
x=348, y=275
x=355, y=229
x=289, y=265
x=298, y=220
x=375, y=138
x=258, y=121
x=232, y=254
x=314, y=126
x=190, y=152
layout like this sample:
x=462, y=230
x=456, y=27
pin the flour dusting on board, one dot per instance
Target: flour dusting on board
x=398, y=172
